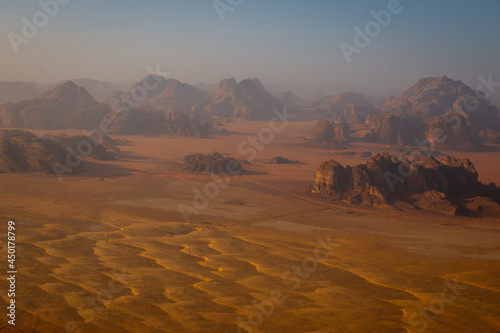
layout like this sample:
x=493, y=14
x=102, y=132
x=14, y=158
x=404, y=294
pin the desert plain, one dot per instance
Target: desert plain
x=108, y=250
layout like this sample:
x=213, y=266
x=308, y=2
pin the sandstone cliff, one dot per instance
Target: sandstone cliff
x=326, y=134
x=450, y=185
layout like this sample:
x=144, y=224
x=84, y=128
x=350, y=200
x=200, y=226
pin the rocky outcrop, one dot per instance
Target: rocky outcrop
x=435, y=96
x=349, y=107
x=392, y=129
x=247, y=99
x=22, y=151
x=449, y=185
x=489, y=136
x=214, y=163
x=283, y=160
x=98, y=89
x=158, y=122
x=327, y=134
x=455, y=135
x=98, y=151
x=439, y=132
x=354, y=114
x=176, y=96
x=66, y=106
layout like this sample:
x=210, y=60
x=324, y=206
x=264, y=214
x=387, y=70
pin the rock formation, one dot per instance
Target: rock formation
x=247, y=99
x=326, y=134
x=176, y=96
x=392, y=129
x=349, y=107
x=98, y=151
x=65, y=106
x=22, y=151
x=449, y=185
x=283, y=160
x=435, y=96
x=98, y=89
x=158, y=122
x=214, y=163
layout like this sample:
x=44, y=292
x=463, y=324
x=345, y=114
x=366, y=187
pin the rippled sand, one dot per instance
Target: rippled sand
x=117, y=256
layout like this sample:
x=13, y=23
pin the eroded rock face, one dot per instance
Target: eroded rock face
x=176, y=96
x=456, y=135
x=354, y=114
x=439, y=132
x=158, y=122
x=489, y=136
x=392, y=129
x=327, y=134
x=66, y=106
x=22, y=151
x=214, y=163
x=349, y=107
x=449, y=185
x=247, y=99
x=97, y=151
x=435, y=96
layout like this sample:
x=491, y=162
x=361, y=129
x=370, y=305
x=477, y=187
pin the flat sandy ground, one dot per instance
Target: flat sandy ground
x=116, y=255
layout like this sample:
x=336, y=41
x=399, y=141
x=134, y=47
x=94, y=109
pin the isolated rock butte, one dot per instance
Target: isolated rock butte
x=283, y=160
x=214, y=163
x=22, y=151
x=451, y=184
x=327, y=134
x=247, y=99
x=66, y=106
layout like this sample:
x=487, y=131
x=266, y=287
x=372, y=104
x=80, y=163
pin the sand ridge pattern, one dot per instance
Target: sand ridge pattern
x=117, y=253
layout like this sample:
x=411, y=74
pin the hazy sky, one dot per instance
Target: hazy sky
x=280, y=42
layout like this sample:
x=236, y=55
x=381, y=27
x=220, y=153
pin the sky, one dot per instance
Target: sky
x=291, y=44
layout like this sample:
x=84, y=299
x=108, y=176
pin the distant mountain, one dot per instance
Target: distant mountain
x=98, y=89
x=434, y=96
x=175, y=96
x=167, y=95
x=15, y=91
x=434, y=110
x=348, y=107
x=247, y=99
x=287, y=98
x=158, y=122
x=65, y=106
x=205, y=87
